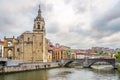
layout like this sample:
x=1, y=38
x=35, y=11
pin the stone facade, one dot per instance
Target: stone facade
x=9, y=48
x=29, y=46
x=1, y=48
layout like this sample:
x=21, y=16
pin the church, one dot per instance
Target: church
x=29, y=46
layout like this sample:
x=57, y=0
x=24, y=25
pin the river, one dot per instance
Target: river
x=65, y=74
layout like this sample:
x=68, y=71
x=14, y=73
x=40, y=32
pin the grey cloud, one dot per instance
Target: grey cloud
x=6, y=23
x=77, y=29
x=22, y=12
x=107, y=23
x=52, y=28
x=111, y=41
x=67, y=1
x=15, y=15
x=46, y=7
x=49, y=7
x=80, y=6
x=103, y=25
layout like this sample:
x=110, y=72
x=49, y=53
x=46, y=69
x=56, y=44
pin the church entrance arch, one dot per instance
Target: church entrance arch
x=10, y=53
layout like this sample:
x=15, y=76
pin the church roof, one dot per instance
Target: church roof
x=39, y=17
x=27, y=32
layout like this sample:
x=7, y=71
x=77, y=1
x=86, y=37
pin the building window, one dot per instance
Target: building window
x=18, y=50
x=28, y=39
x=38, y=26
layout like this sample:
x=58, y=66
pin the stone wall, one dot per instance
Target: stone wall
x=27, y=67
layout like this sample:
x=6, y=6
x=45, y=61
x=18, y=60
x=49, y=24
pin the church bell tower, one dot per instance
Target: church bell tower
x=39, y=24
x=39, y=39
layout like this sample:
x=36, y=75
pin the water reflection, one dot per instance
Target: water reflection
x=64, y=74
x=60, y=74
x=32, y=75
x=105, y=74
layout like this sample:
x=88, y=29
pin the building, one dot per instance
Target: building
x=104, y=51
x=90, y=51
x=1, y=48
x=59, y=52
x=78, y=53
x=9, y=48
x=29, y=46
x=73, y=54
x=81, y=54
x=50, y=51
x=67, y=51
x=90, y=56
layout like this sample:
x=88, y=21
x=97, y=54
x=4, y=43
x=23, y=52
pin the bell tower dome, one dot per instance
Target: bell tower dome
x=39, y=24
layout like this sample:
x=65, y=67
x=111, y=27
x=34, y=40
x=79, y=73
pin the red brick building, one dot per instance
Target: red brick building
x=58, y=52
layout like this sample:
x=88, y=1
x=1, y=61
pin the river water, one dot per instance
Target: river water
x=65, y=74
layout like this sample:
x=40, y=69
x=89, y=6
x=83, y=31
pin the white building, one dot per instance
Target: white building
x=86, y=55
x=1, y=48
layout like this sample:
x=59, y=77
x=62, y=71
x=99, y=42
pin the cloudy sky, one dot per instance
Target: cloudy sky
x=74, y=23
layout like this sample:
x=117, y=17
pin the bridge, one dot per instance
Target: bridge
x=89, y=62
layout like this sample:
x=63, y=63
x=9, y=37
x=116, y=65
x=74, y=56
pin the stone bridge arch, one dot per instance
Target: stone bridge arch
x=89, y=62
x=68, y=62
x=110, y=61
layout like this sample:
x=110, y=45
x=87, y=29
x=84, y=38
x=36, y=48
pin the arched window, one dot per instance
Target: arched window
x=28, y=39
x=9, y=43
x=38, y=26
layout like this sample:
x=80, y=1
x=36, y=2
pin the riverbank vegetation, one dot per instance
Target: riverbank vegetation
x=118, y=68
x=117, y=56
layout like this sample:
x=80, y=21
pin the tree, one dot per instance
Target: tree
x=118, y=56
x=68, y=51
x=95, y=51
x=102, y=53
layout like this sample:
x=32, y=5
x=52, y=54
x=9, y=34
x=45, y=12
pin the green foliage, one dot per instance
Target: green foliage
x=118, y=68
x=101, y=52
x=104, y=53
x=118, y=56
x=95, y=51
x=68, y=51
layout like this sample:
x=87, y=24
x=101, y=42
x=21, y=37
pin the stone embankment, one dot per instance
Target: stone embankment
x=27, y=67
